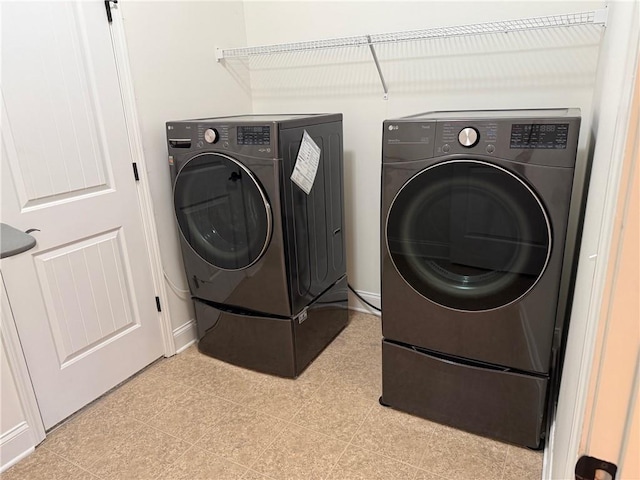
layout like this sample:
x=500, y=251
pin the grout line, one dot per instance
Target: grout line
x=255, y=471
x=169, y=466
x=364, y=419
x=333, y=467
x=306, y=402
x=419, y=468
x=382, y=454
x=70, y=462
x=122, y=441
x=349, y=442
x=504, y=465
x=217, y=456
x=268, y=446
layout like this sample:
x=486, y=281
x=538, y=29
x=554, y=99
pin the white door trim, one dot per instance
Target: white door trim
x=144, y=192
x=613, y=109
x=33, y=430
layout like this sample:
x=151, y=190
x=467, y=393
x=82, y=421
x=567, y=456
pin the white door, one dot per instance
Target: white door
x=82, y=299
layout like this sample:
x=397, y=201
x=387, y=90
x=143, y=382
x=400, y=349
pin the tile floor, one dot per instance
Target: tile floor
x=193, y=417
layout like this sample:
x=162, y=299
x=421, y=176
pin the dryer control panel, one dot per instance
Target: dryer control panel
x=539, y=135
x=464, y=137
x=551, y=142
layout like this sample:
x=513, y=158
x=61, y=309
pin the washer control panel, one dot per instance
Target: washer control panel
x=189, y=136
x=211, y=135
x=253, y=135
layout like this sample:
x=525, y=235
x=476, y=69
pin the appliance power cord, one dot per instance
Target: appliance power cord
x=362, y=299
x=178, y=291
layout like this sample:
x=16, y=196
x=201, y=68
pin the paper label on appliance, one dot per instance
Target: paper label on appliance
x=306, y=167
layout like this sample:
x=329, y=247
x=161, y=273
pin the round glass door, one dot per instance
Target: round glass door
x=222, y=211
x=468, y=235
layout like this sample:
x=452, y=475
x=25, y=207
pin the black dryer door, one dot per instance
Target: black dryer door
x=468, y=235
x=222, y=211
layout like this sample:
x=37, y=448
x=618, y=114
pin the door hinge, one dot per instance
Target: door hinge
x=135, y=171
x=107, y=5
x=158, y=304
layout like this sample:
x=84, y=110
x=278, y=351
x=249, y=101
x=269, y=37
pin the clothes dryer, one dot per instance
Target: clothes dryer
x=265, y=261
x=475, y=209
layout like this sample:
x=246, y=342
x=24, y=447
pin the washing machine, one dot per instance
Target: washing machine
x=265, y=260
x=475, y=212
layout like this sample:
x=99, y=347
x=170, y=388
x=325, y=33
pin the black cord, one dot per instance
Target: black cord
x=362, y=299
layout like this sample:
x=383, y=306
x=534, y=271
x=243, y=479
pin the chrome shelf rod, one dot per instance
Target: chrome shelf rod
x=595, y=17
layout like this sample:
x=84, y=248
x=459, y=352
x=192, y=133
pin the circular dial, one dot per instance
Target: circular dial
x=468, y=137
x=211, y=135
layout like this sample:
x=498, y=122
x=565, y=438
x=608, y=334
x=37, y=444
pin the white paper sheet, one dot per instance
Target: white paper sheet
x=306, y=167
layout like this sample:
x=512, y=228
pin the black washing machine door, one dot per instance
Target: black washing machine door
x=222, y=211
x=468, y=235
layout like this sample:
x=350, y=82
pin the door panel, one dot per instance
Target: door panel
x=82, y=299
x=56, y=80
x=87, y=294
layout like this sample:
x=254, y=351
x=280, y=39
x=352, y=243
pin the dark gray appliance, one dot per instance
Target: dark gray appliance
x=475, y=209
x=265, y=261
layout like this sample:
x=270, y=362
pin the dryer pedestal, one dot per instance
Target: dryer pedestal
x=279, y=346
x=492, y=402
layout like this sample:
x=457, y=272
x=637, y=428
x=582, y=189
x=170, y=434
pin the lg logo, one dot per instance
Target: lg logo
x=393, y=127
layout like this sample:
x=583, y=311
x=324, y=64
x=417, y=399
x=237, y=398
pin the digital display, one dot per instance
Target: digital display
x=260, y=135
x=539, y=135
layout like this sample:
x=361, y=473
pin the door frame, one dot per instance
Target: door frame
x=612, y=106
x=32, y=427
x=134, y=138
x=125, y=79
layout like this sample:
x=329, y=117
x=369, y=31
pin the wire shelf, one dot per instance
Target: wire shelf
x=356, y=41
x=596, y=17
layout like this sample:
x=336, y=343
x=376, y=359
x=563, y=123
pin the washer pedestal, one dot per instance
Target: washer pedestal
x=279, y=346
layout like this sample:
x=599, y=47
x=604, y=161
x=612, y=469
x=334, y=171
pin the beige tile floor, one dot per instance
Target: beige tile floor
x=193, y=417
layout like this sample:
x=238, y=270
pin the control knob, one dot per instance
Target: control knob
x=468, y=137
x=211, y=135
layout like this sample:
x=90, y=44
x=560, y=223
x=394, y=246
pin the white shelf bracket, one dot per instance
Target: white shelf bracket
x=375, y=60
x=219, y=54
x=600, y=17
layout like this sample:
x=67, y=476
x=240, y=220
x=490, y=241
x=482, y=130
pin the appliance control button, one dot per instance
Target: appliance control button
x=211, y=135
x=446, y=147
x=468, y=137
x=491, y=149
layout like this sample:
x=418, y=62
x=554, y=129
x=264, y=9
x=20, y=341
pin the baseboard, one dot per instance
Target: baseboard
x=356, y=304
x=15, y=445
x=185, y=335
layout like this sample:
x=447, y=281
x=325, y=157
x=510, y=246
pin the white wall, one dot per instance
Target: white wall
x=172, y=56
x=536, y=69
